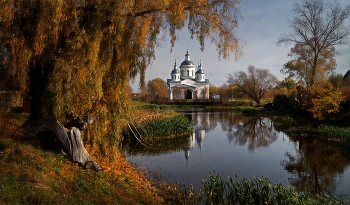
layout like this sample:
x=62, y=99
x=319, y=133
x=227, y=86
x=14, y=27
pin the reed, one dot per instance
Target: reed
x=170, y=124
x=258, y=191
x=248, y=111
x=288, y=122
x=342, y=133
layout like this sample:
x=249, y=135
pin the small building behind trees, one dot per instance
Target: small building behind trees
x=187, y=82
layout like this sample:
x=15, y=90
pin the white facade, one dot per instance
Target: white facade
x=187, y=82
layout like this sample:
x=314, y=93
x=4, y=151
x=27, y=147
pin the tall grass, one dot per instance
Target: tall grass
x=148, y=106
x=248, y=111
x=258, y=191
x=170, y=124
x=335, y=132
x=288, y=122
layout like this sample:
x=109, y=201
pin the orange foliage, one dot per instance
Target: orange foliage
x=80, y=55
x=325, y=100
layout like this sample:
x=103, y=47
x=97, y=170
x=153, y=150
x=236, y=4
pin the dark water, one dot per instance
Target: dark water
x=228, y=143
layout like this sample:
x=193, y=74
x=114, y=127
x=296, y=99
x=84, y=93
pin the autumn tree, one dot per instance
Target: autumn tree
x=337, y=80
x=317, y=26
x=255, y=83
x=80, y=55
x=324, y=100
x=301, y=67
x=287, y=83
x=157, y=88
x=212, y=90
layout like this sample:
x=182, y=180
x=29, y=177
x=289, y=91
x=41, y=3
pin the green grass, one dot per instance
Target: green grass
x=335, y=132
x=170, y=125
x=148, y=106
x=217, y=190
x=288, y=122
x=248, y=111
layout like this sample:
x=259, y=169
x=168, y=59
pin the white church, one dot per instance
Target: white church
x=187, y=83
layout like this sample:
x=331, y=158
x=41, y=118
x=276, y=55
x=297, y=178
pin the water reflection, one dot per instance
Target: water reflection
x=197, y=136
x=227, y=142
x=255, y=132
x=317, y=165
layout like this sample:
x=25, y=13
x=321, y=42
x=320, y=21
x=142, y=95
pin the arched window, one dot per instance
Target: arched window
x=188, y=73
x=192, y=73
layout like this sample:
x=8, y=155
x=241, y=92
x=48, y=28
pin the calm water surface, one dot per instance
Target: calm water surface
x=228, y=143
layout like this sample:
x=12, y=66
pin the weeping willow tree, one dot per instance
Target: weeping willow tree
x=80, y=55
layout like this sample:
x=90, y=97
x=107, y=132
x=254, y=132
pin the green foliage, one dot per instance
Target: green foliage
x=248, y=111
x=171, y=124
x=335, y=132
x=288, y=83
x=258, y=191
x=337, y=80
x=288, y=122
x=17, y=191
x=148, y=106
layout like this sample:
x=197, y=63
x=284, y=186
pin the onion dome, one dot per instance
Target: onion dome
x=200, y=70
x=187, y=60
x=175, y=70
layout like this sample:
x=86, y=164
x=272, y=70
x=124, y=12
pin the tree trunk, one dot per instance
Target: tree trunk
x=69, y=139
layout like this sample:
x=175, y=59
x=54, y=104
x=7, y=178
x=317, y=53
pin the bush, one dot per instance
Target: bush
x=324, y=100
x=288, y=122
x=249, y=111
x=335, y=132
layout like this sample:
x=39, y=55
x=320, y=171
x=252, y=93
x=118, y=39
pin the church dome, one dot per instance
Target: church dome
x=187, y=62
x=175, y=71
x=200, y=71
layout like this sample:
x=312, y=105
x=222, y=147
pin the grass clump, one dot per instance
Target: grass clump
x=335, y=132
x=258, y=191
x=166, y=125
x=288, y=122
x=248, y=111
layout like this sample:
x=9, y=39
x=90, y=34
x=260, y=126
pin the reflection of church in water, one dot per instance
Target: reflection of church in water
x=198, y=135
x=201, y=125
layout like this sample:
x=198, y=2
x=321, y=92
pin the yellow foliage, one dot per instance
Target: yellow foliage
x=325, y=100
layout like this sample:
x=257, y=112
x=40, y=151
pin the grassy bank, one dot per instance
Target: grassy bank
x=167, y=124
x=196, y=104
x=32, y=175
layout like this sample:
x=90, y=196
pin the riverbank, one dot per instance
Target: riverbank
x=282, y=116
x=33, y=175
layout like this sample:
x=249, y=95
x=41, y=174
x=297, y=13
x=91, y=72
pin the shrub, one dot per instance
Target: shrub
x=288, y=122
x=335, y=132
x=324, y=100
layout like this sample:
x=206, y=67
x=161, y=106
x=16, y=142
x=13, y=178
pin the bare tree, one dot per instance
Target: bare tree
x=255, y=84
x=318, y=25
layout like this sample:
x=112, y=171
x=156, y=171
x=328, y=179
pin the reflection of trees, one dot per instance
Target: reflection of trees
x=254, y=131
x=241, y=130
x=316, y=165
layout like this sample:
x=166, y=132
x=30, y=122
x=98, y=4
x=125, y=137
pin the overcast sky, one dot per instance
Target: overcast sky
x=263, y=22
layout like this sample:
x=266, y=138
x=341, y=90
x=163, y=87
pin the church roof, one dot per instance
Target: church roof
x=175, y=71
x=187, y=62
x=200, y=71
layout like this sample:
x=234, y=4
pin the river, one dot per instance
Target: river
x=231, y=144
